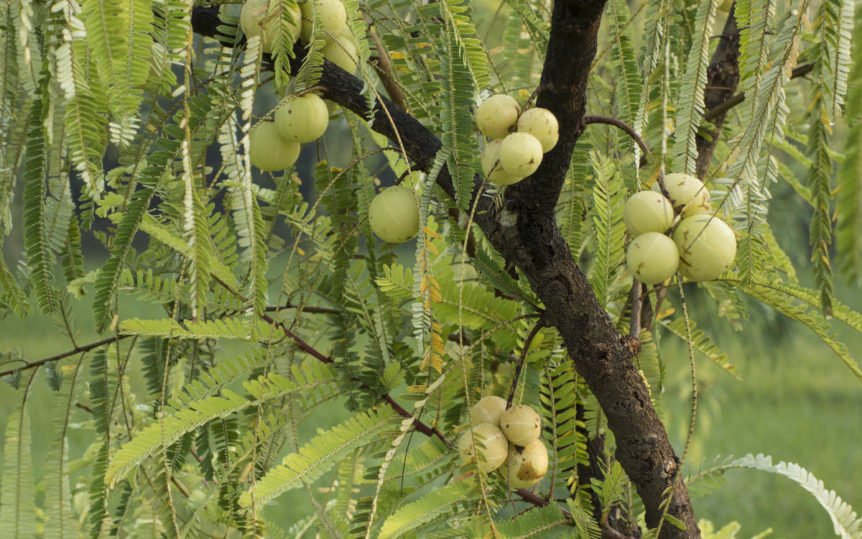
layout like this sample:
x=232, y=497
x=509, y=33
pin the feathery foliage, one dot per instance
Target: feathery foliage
x=17, y=501
x=846, y=524
x=257, y=343
x=849, y=189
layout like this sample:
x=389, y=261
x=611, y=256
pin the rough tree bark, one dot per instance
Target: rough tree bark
x=524, y=230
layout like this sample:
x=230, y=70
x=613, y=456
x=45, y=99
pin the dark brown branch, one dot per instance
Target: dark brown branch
x=722, y=80
x=622, y=125
x=72, y=352
x=719, y=97
x=723, y=108
x=524, y=231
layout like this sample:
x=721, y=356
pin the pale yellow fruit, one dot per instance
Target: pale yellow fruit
x=520, y=154
x=303, y=118
x=394, y=214
x=687, y=194
x=493, y=447
x=521, y=424
x=261, y=18
x=331, y=14
x=653, y=258
x=491, y=165
x=488, y=410
x=464, y=272
x=707, y=247
x=268, y=151
x=647, y=211
x=542, y=124
x=497, y=115
x=342, y=52
x=526, y=465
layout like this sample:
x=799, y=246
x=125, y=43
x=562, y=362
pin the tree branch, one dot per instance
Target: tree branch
x=722, y=80
x=622, y=125
x=58, y=357
x=736, y=99
x=524, y=230
x=384, y=68
x=306, y=309
x=520, y=365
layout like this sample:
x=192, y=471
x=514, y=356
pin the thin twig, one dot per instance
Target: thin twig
x=384, y=67
x=306, y=309
x=622, y=125
x=660, y=293
x=182, y=488
x=520, y=365
x=420, y=426
x=636, y=300
x=85, y=408
x=297, y=340
x=304, y=346
x=76, y=350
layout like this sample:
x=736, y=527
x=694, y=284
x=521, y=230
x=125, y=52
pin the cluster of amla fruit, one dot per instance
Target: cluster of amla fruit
x=703, y=246
x=275, y=145
x=506, y=436
x=394, y=214
x=518, y=139
x=261, y=18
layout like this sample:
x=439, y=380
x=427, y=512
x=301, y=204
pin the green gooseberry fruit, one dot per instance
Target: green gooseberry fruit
x=496, y=115
x=464, y=272
x=707, y=247
x=493, y=447
x=521, y=424
x=542, y=124
x=330, y=13
x=303, y=118
x=260, y=18
x=492, y=167
x=653, y=258
x=520, y=154
x=268, y=150
x=647, y=211
x=342, y=52
x=488, y=410
x=394, y=214
x=687, y=194
x=526, y=465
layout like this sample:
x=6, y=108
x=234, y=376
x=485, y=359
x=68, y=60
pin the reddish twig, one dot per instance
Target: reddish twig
x=622, y=125
x=520, y=365
x=58, y=357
